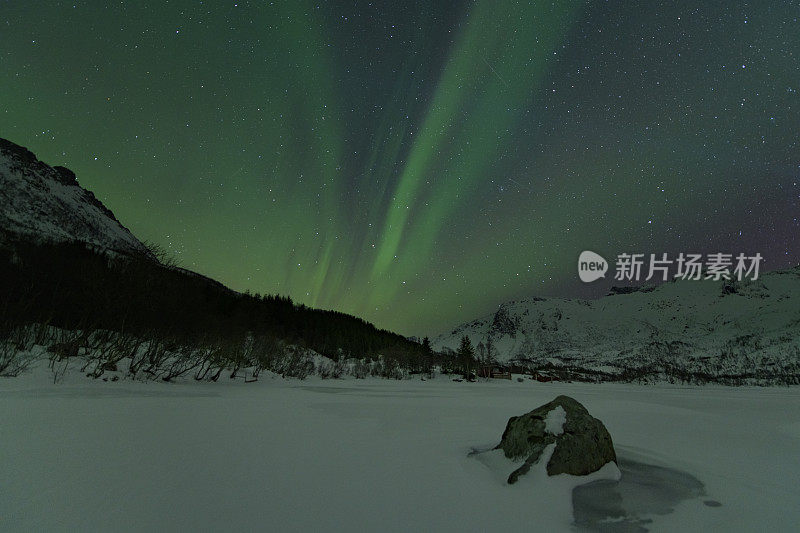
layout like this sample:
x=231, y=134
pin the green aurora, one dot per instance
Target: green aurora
x=417, y=163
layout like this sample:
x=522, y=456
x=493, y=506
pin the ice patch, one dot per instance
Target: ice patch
x=630, y=503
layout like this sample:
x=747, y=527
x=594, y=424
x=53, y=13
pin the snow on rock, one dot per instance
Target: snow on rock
x=47, y=205
x=554, y=421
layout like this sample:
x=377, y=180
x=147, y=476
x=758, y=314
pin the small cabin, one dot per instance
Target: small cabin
x=494, y=371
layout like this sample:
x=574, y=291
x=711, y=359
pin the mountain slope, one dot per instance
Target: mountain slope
x=68, y=268
x=46, y=204
x=704, y=330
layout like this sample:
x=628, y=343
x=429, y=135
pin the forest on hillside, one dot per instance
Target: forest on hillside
x=169, y=322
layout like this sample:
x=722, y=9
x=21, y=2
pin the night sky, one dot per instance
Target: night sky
x=417, y=163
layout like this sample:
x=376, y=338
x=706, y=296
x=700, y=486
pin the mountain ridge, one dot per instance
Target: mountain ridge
x=725, y=329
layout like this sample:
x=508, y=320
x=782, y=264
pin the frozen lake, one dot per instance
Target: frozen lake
x=377, y=455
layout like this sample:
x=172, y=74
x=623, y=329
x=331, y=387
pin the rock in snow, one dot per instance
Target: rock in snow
x=582, y=443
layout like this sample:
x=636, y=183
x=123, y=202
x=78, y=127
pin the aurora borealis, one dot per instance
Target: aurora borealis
x=417, y=163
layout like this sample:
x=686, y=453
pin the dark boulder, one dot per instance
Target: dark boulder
x=582, y=443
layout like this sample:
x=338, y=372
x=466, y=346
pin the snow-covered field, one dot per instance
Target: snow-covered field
x=377, y=455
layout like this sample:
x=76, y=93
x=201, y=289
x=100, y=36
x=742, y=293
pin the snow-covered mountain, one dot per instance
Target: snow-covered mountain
x=695, y=330
x=47, y=205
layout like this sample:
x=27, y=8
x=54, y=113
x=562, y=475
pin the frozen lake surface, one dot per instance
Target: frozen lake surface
x=377, y=455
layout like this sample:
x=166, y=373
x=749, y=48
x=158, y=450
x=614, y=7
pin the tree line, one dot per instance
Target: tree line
x=168, y=322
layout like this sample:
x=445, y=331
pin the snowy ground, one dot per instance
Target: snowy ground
x=377, y=455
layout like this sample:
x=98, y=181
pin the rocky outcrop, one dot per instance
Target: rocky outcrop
x=503, y=324
x=46, y=204
x=582, y=444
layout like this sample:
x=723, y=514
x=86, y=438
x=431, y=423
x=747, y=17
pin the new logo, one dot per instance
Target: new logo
x=591, y=266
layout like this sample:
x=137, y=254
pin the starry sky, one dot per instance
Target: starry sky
x=417, y=163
